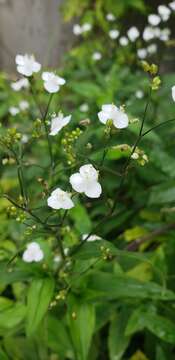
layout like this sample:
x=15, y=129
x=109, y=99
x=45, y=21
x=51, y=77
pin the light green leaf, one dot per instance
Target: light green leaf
x=38, y=299
x=118, y=341
x=81, y=321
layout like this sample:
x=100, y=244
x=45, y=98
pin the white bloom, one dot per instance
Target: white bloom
x=19, y=84
x=96, y=56
x=24, y=139
x=58, y=122
x=60, y=199
x=139, y=94
x=123, y=41
x=165, y=34
x=114, y=34
x=52, y=82
x=23, y=105
x=86, y=181
x=150, y=33
x=164, y=12
x=154, y=19
x=13, y=110
x=84, y=107
x=110, y=17
x=27, y=65
x=134, y=156
x=133, y=33
x=33, y=253
x=142, y=53
x=77, y=30
x=172, y=5
x=152, y=49
x=173, y=92
x=86, y=27
x=57, y=259
x=111, y=112
x=92, y=237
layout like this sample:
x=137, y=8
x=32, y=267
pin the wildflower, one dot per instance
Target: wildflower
x=133, y=33
x=52, y=82
x=139, y=94
x=149, y=33
x=111, y=112
x=77, y=30
x=172, y=5
x=154, y=19
x=114, y=34
x=164, y=12
x=27, y=65
x=110, y=17
x=86, y=181
x=152, y=49
x=84, y=107
x=96, y=56
x=24, y=139
x=20, y=84
x=13, y=110
x=142, y=53
x=23, y=105
x=86, y=27
x=58, y=122
x=165, y=34
x=173, y=92
x=123, y=41
x=60, y=199
x=33, y=253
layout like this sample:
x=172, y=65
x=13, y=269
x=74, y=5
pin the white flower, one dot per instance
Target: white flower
x=77, y=30
x=13, y=110
x=57, y=259
x=110, y=17
x=149, y=33
x=92, y=237
x=165, y=34
x=60, y=199
x=19, y=84
x=52, y=82
x=152, y=49
x=164, y=12
x=84, y=107
x=23, y=105
x=123, y=41
x=142, y=53
x=33, y=253
x=173, y=92
x=58, y=122
x=154, y=19
x=96, y=56
x=27, y=65
x=114, y=34
x=111, y=112
x=24, y=139
x=139, y=94
x=86, y=27
x=134, y=156
x=133, y=33
x=172, y=5
x=86, y=181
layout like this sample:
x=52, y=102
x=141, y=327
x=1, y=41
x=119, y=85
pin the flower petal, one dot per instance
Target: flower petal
x=76, y=181
x=93, y=190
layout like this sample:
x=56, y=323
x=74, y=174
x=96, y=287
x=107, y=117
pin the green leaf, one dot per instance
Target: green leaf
x=162, y=194
x=12, y=316
x=58, y=337
x=118, y=341
x=77, y=214
x=39, y=296
x=146, y=317
x=81, y=326
x=111, y=286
